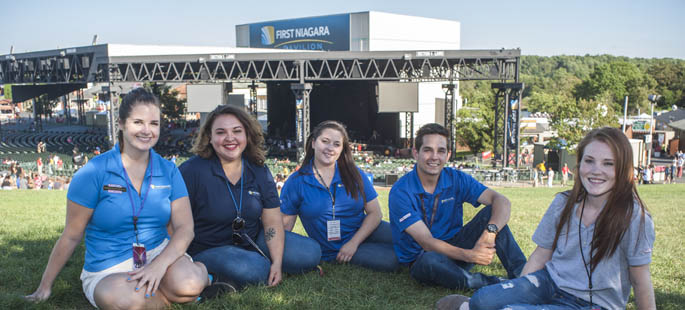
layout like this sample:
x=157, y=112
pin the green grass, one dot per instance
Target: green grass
x=31, y=222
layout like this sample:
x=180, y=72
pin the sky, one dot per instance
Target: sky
x=633, y=28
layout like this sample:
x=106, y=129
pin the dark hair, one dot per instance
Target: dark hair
x=134, y=97
x=349, y=174
x=429, y=129
x=614, y=219
x=254, y=150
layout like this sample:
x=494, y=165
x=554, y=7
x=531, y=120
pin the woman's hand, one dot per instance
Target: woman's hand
x=39, y=295
x=150, y=275
x=78, y=217
x=347, y=251
x=275, y=275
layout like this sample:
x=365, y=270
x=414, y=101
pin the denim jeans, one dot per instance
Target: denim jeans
x=376, y=252
x=436, y=268
x=533, y=291
x=245, y=266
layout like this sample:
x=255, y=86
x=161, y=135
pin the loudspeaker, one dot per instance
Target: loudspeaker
x=85, y=62
x=390, y=179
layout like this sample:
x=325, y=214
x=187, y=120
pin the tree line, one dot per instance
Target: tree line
x=577, y=92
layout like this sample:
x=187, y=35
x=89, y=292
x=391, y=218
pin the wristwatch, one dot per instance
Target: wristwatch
x=493, y=228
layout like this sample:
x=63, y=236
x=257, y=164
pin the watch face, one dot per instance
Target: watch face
x=492, y=228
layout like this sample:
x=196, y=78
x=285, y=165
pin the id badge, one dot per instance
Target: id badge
x=139, y=255
x=333, y=228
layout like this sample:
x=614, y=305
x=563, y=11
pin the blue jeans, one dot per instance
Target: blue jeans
x=376, y=252
x=436, y=268
x=245, y=266
x=533, y=291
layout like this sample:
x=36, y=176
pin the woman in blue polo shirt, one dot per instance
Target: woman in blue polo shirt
x=238, y=226
x=123, y=200
x=337, y=206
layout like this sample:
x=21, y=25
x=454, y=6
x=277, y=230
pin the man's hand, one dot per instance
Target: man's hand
x=484, y=250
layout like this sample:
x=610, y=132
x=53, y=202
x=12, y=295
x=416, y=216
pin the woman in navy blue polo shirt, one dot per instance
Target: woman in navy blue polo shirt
x=338, y=207
x=239, y=232
x=124, y=200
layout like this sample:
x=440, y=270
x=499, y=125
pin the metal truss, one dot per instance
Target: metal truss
x=450, y=65
x=361, y=68
x=302, y=115
x=70, y=65
x=507, y=121
x=409, y=129
x=450, y=99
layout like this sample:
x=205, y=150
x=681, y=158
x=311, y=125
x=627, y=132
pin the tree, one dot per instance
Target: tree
x=617, y=80
x=572, y=118
x=670, y=78
x=7, y=90
x=474, y=123
x=172, y=108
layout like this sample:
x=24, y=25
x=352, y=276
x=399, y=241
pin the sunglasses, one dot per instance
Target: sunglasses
x=238, y=225
x=239, y=236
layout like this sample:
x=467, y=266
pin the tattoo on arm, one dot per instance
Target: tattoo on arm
x=269, y=234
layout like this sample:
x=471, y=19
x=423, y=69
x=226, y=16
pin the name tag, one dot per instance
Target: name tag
x=446, y=200
x=139, y=256
x=333, y=229
x=114, y=188
x=152, y=186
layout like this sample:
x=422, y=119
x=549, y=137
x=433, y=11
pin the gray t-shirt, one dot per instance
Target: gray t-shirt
x=610, y=280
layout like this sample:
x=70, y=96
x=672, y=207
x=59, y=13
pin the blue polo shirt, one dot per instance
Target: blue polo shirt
x=102, y=186
x=453, y=189
x=303, y=195
x=212, y=206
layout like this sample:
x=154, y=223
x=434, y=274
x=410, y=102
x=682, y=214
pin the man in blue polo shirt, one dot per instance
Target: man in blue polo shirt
x=426, y=218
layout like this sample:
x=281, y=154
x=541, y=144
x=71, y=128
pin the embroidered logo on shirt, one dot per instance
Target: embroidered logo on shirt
x=114, y=188
x=254, y=193
x=405, y=217
x=152, y=186
x=446, y=200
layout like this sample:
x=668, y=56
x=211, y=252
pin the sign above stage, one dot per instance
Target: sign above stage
x=323, y=33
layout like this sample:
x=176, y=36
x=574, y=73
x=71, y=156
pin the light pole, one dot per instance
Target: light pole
x=652, y=99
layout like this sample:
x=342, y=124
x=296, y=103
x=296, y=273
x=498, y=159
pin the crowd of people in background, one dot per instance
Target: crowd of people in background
x=21, y=178
x=671, y=171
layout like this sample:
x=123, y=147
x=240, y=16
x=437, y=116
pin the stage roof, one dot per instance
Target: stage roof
x=106, y=63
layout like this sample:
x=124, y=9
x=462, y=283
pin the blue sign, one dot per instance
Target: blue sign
x=325, y=33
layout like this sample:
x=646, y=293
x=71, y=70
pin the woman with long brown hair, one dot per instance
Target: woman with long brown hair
x=238, y=226
x=337, y=204
x=593, y=243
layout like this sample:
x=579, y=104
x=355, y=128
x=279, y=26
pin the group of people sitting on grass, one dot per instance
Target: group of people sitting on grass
x=156, y=234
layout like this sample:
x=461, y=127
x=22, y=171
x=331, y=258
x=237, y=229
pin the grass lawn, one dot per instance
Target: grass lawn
x=31, y=222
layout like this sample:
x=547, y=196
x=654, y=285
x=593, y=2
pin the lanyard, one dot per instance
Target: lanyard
x=435, y=209
x=328, y=189
x=238, y=207
x=588, y=271
x=142, y=202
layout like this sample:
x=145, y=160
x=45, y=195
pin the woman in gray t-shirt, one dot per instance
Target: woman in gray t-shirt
x=593, y=244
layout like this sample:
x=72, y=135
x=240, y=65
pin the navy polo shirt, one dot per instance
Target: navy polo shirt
x=304, y=195
x=101, y=185
x=453, y=189
x=212, y=206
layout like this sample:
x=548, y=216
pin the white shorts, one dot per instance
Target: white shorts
x=91, y=279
